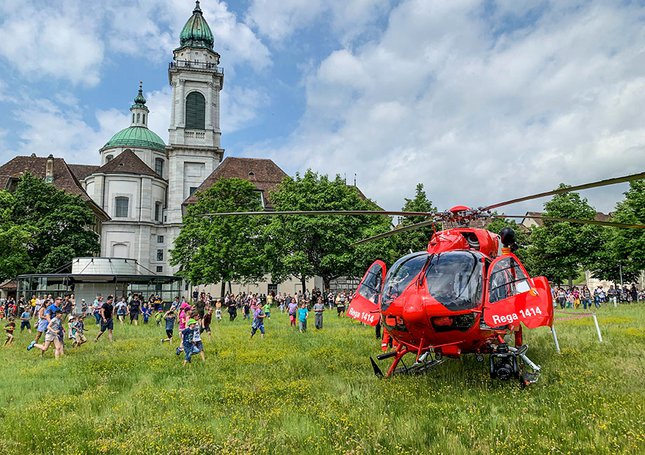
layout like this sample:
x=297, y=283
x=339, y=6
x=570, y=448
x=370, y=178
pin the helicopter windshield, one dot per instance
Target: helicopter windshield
x=454, y=279
x=400, y=275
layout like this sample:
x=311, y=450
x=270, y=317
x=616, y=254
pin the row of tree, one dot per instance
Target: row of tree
x=213, y=249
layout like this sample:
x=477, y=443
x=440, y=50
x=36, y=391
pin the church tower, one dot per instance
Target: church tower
x=194, y=134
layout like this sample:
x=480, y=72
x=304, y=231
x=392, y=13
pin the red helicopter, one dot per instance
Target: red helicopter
x=467, y=293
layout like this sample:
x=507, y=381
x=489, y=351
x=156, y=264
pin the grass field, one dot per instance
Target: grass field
x=316, y=393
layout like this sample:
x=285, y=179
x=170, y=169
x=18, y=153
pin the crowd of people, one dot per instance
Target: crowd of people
x=63, y=317
x=576, y=297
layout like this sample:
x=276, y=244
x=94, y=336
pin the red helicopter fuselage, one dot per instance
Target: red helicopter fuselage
x=460, y=296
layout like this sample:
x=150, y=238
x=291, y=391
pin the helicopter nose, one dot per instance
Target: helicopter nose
x=413, y=312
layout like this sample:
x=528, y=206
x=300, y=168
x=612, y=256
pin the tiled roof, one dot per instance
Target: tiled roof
x=81, y=171
x=64, y=179
x=263, y=173
x=127, y=163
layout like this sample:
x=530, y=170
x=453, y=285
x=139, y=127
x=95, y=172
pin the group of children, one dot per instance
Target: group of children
x=191, y=326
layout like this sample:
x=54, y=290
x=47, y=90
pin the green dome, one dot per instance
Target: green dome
x=196, y=32
x=136, y=136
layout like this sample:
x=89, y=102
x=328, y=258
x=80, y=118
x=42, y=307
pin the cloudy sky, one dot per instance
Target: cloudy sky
x=481, y=101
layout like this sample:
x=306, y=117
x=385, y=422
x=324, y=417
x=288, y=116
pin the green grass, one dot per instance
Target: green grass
x=316, y=393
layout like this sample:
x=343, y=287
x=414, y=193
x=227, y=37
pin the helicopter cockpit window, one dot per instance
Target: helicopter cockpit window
x=506, y=280
x=400, y=275
x=454, y=279
x=370, y=288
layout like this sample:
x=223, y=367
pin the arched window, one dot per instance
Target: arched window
x=138, y=116
x=108, y=158
x=133, y=117
x=144, y=118
x=195, y=111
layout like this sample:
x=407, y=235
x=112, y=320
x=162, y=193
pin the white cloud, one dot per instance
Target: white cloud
x=476, y=109
x=55, y=41
x=71, y=39
x=279, y=20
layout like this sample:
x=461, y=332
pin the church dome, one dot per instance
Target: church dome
x=136, y=136
x=196, y=32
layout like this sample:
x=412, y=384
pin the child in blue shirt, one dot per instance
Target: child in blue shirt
x=303, y=312
x=187, y=342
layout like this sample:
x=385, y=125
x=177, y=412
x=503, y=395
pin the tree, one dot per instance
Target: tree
x=417, y=239
x=221, y=249
x=558, y=250
x=308, y=246
x=43, y=228
x=623, y=250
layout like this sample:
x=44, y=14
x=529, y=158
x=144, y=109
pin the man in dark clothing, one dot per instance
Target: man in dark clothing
x=107, y=322
x=135, y=309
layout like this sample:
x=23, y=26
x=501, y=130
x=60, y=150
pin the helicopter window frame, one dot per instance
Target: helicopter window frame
x=395, y=284
x=370, y=287
x=506, y=279
x=461, y=290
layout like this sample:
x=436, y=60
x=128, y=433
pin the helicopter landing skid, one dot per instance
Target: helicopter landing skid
x=422, y=365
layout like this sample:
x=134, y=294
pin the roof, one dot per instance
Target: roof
x=196, y=32
x=9, y=285
x=64, y=178
x=136, y=136
x=81, y=171
x=263, y=173
x=127, y=163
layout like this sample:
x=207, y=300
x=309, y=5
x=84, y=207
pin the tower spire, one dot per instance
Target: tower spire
x=139, y=109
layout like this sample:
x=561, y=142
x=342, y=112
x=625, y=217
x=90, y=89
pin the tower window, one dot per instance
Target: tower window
x=144, y=117
x=108, y=158
x=159, y=166
x=195, y=111
x=121, y=207
x=158, y=209
x=138, y=116
x=133, y=117
x=159, y=255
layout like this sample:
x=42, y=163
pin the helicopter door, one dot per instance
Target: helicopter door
x=365, y=303
x=512, y=296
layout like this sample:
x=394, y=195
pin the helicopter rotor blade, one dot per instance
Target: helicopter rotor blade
x=322, y=212
x=586, y=186
x=573, y=220
x=396, y=231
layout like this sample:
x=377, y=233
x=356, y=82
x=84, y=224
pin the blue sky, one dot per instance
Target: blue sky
x=479, y=100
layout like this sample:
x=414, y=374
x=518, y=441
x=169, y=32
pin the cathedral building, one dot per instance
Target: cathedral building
x=140, y=188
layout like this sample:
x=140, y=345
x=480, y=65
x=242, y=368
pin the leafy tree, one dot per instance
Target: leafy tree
x=623, y=250
x=307, y=246
x=43, y=228
x=416, y=240
x=558, y=250
x=221, y=249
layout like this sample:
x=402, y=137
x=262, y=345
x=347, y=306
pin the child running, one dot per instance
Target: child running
x=303, y=312
x=78, y=332
x=54, y=334
x=169, y=317
x=187, y=340
x=9, y=328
